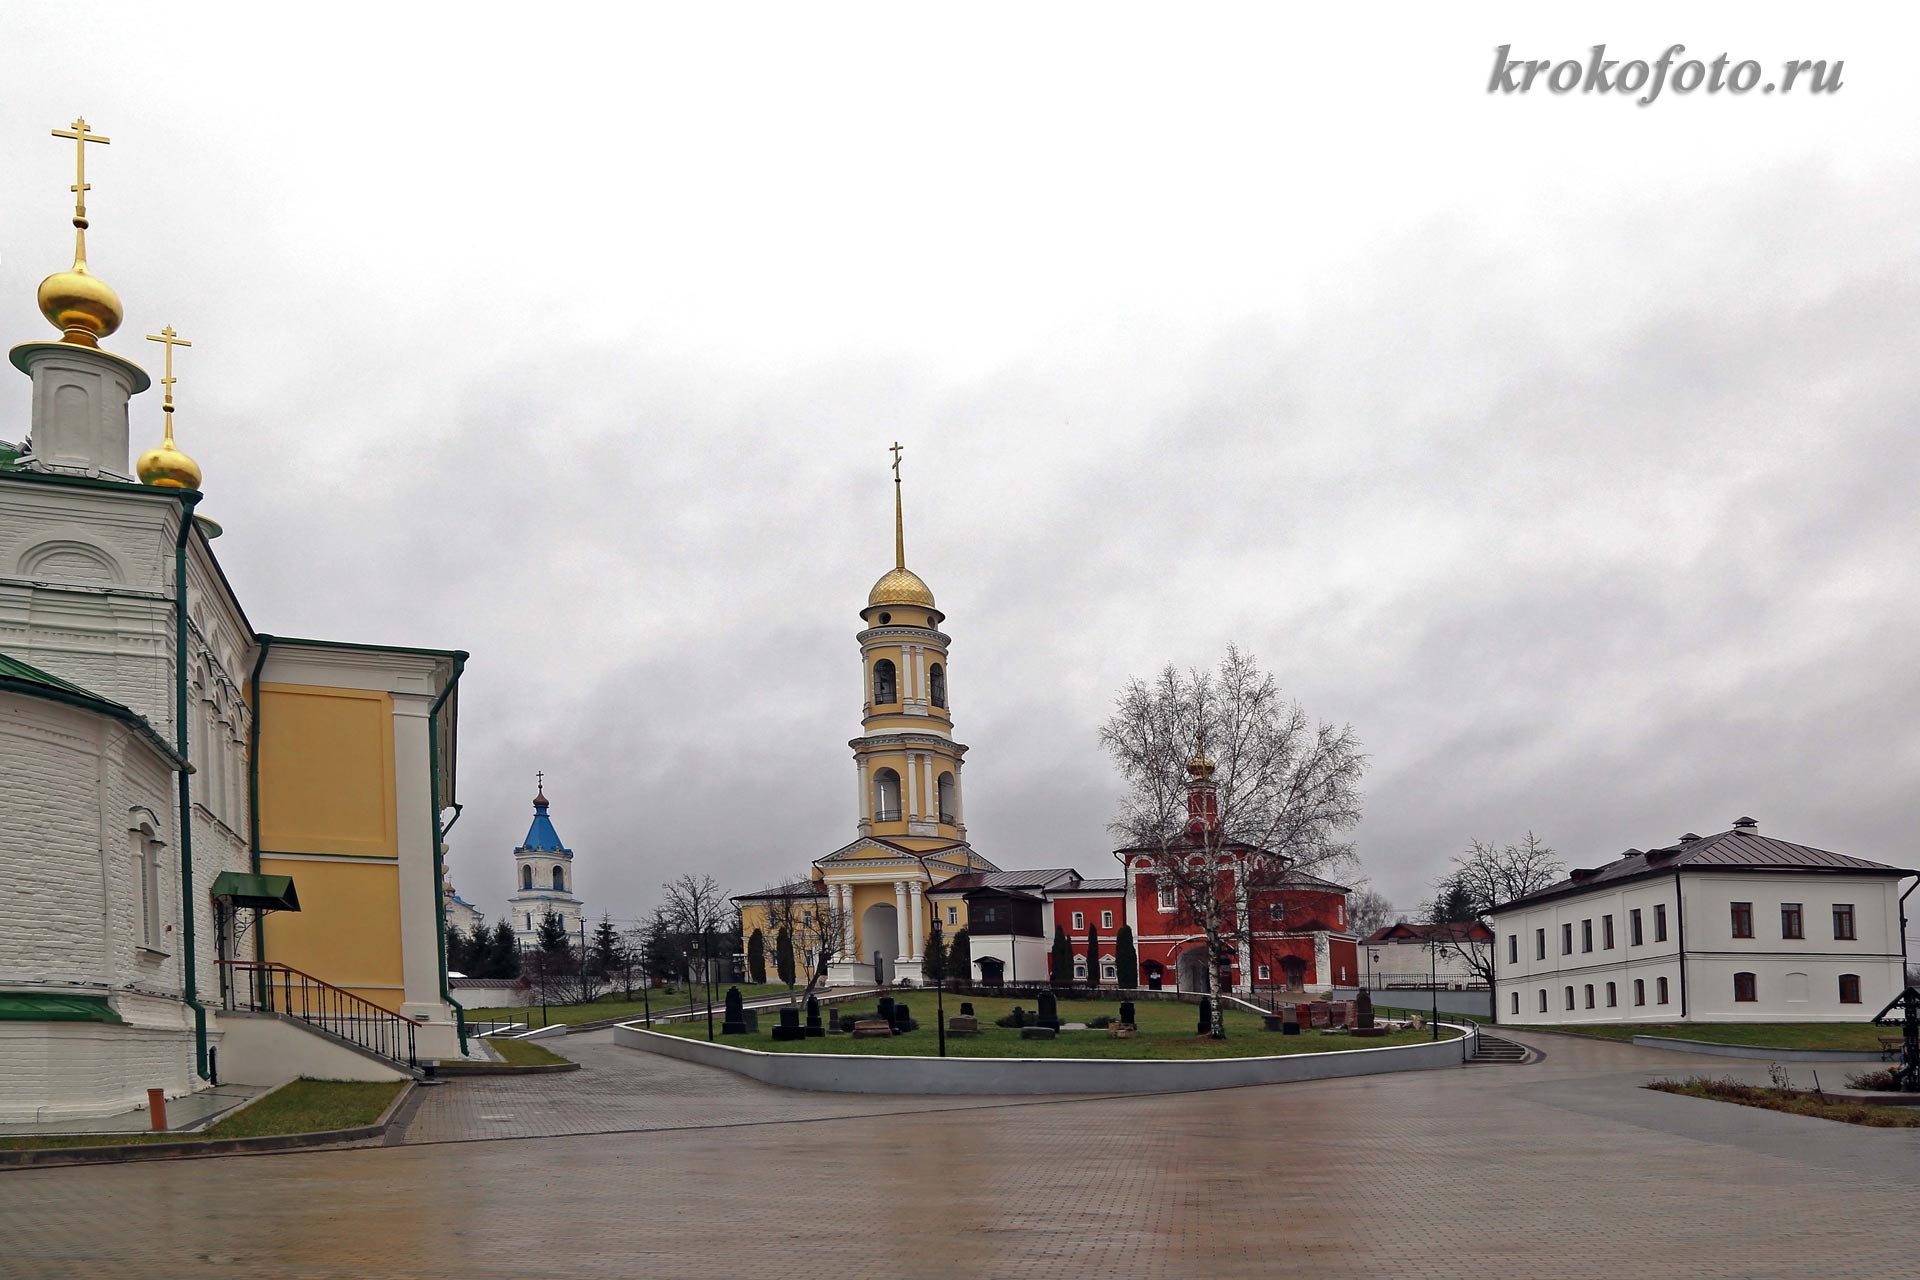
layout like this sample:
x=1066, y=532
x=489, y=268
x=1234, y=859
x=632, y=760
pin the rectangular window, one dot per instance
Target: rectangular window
x=1276, y=913
x=1743, y=919
x=1079, y=921
x=1661, y=985
x=1843, y=922
x=1265, y=973
x=1166, y=895
x=1566, y=939
x=1106, y=919
x=1634, y=936
x=1849, y=988
x=1660, y=924
x=1606, y=933
x=1745, y=989
x=1513, y=949
x=953, y=915
x=1569, y=999
x=1107, y=972
x=1790, y=926
x=1586, y=935
x=1540, y=946
x=1639, y=990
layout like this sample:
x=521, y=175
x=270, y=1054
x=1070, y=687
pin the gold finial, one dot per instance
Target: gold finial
x=75, y=301
x=899, y=522
x=166, y=467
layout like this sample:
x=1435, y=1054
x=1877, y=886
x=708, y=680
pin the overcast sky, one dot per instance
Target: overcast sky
x=1565, y=448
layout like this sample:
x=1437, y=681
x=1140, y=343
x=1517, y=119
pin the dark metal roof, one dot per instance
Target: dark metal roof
x=1114, y=884
x=1736, y=850
x=1455, y=931
x=1004, y=879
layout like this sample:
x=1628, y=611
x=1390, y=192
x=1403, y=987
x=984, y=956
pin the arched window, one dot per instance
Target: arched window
x=1569, y=997
x=559, y=880
x=1516, y=1002
x=886, y=796
x=1661, y=985
x=1639, y=990
x=526, y=877
x=1589, y=995
x=946, y=798
x=1849, y=988
x=1746, y=988
x=937, y=684
x=1543, y=999
x=1611, y=1000
x=886, y=687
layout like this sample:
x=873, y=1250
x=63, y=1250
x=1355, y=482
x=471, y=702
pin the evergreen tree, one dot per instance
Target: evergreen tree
x=1093, y=954
x=960, y=957
x=1126, y=961
x=1062, y=957
x=783, y=956
x=606, y=949
x=1453, y=904
x=933, y=961
x=458, y=948
x=503, y=955
x=757, y=958
x=553, y=939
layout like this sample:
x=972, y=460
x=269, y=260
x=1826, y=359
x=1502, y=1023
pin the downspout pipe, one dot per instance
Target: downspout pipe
x=190, y=991
x=1680, y=934
x=439, y=837
x=1903, y=933
x=253, y=778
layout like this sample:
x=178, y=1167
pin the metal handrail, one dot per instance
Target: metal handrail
x=886, y=815
x=272, y=987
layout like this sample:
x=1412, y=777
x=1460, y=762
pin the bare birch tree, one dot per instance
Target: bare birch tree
x=1286, y=790
x=695, y=907
x=1368, y=911
x=815, y=927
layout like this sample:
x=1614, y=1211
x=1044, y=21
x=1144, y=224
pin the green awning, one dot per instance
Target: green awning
x=266, y=893
x=27, y=1006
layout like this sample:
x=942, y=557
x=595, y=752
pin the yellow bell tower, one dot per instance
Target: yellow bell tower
x=908, y=762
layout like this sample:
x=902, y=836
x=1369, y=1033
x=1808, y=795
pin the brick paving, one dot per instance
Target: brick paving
x=1559, y=1168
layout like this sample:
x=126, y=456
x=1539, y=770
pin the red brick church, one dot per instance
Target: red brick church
x=1298, y=939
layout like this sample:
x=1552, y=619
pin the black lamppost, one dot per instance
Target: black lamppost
x=1433, y=983
x=939, y=944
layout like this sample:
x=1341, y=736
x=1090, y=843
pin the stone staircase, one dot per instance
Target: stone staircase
x=1492, y=1049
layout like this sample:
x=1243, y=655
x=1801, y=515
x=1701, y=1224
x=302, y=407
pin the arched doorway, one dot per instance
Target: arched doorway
x=1293, y=973
x=880, y=939
x=1192, y=973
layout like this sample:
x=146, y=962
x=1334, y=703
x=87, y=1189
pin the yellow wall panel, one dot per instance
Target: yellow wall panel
x=347, y=931
x=326, y=771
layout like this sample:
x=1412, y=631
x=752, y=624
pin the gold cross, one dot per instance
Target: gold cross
x=81, y=136
x=172, y=340
x=896, y=451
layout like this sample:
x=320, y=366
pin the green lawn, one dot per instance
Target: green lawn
x=1168, y=1029
x=617, y=1005
x=1862, y=1036
x=305, y=1106
x=523, y=1053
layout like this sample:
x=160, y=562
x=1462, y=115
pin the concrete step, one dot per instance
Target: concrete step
x=1493, y=1049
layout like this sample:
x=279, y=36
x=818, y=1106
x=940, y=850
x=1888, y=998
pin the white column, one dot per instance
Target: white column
x=843, y=899
x=914, y=892
x=920, y=668
x=863, y=801
x=959, y=813
x=905, y=953
x=913, y=787
x=908, y=691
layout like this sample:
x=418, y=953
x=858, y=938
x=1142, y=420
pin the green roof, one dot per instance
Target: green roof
x=36, y=1006
x=267, y=893
x=20, y=677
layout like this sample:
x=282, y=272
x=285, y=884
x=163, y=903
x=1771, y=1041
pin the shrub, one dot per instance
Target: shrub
x=1885, y=1080
x=1101, y=1023
x=1126, y=960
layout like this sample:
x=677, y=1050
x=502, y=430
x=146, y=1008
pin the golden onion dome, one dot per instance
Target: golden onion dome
x=900, y=586
x=165, y=467
x=81, y=305
x=1201, y=767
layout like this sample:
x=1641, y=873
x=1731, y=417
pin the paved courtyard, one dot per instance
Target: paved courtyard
x=637, y=1166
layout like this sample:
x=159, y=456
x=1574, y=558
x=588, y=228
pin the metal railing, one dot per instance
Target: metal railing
x=886, y=815
x=272, y=987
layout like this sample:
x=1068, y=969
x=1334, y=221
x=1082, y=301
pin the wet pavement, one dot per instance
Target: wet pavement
x=639, y=1166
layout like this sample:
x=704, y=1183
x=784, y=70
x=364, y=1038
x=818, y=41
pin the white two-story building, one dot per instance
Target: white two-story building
x=1735, y=927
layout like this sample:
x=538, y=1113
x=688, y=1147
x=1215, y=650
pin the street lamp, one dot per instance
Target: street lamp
x=1433, y=983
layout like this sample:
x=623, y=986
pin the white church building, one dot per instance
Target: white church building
x=543, y=878
x=1734, y=927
